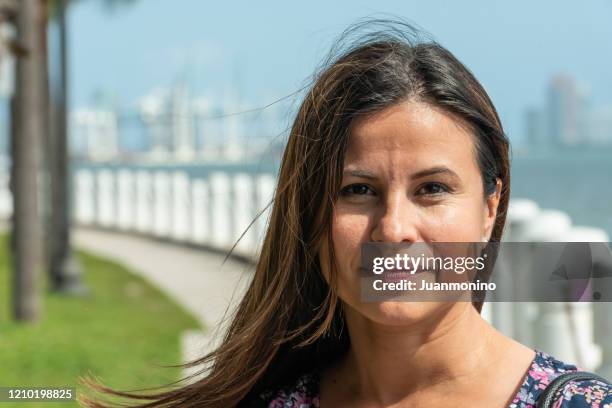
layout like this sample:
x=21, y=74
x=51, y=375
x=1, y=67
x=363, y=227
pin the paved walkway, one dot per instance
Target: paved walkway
x=194, y=278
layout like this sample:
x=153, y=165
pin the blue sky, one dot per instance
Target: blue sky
x=267, y=49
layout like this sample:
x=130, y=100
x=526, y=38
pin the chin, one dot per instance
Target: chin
x=404, y=313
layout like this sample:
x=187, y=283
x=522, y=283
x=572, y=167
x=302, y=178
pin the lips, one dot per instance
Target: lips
x=396, y=275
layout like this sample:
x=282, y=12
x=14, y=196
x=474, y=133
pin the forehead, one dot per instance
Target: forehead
x=416, y=131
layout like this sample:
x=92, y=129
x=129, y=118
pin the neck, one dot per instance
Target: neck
x=389, y=362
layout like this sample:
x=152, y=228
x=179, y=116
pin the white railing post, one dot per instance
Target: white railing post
x=106, y=198
x=582, y=312
x=521, y=213
x=161, y=204
x=181, y=206
x=551, y=327
x=221, y=201
x=593, y=318
x=243, y=213
x=144, y=201
x=264, y=194
x=126, y=200
x=201, y=214
x=85, y=197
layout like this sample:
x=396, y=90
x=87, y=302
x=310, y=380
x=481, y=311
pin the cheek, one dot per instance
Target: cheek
x=348, y=232
x=460, y=220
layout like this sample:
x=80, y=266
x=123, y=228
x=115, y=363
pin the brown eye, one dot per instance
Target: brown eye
x=357, y=189
x=433, y=189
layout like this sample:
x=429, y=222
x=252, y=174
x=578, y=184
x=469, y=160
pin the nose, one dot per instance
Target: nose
x=396, y=221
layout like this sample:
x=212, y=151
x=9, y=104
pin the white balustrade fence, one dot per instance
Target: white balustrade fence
x=212, y=211
x=216, y=209
x=548, y=325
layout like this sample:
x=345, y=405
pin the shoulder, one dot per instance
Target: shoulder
x=575, y=394
x=302, y=392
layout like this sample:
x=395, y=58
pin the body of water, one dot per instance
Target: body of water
x=579, y=184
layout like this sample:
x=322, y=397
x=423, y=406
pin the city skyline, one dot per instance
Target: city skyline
x=175, y=124
x=512, y=48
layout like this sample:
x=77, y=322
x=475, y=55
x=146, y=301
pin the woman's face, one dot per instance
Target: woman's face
x=410, y=175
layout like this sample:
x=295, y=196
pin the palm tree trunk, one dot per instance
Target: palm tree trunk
x=45, y=199
x=26, y=137
x=65, y=271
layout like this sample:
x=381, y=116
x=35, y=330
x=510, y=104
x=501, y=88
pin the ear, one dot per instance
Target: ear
x=491, y=210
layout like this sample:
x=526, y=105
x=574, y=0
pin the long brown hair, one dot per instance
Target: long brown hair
x=290, y=317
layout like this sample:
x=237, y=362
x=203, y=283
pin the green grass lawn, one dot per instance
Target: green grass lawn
x=122, y=333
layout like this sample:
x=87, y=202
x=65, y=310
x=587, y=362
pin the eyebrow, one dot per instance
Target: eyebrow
x=423, y=173
x=435, y=170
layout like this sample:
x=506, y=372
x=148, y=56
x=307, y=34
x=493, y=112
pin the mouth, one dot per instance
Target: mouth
x=397, y=275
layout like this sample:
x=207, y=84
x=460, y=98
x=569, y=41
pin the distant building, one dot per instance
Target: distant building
x=566, y=119
x=169, y=122
x=208, y=123
x=181, y=121
x=234, y=129
x=154, y=114
x=94, y=134
x=567, y=112
x=536, y=129
x=601, y=126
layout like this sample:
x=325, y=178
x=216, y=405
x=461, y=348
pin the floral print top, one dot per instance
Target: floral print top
x=304, y=393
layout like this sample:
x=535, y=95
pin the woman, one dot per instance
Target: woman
x=395, y=141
